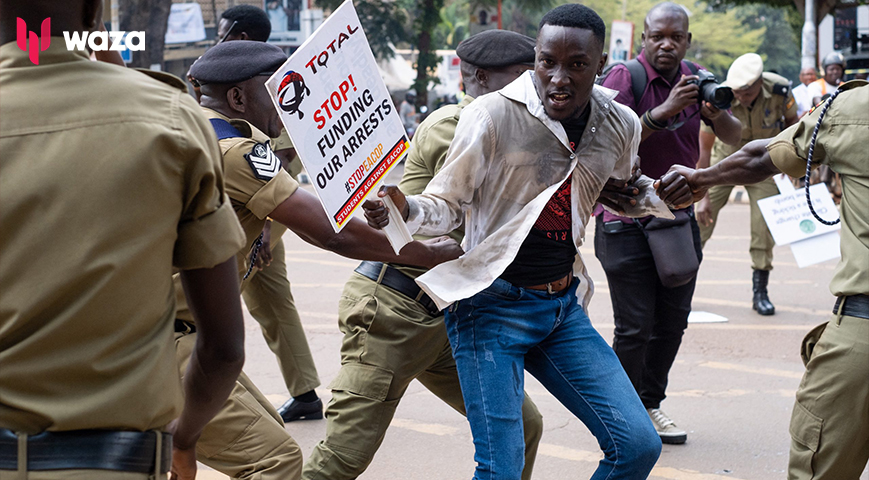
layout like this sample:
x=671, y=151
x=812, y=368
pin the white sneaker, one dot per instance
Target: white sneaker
x=667, y=430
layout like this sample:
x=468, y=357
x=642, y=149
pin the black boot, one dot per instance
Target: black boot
x=761, y=302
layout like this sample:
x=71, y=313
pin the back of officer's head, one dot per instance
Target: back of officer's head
x=251, y=23
x=494, y=58
x=233, y=75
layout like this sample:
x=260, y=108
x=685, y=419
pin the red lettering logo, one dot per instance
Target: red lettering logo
x=30, y=42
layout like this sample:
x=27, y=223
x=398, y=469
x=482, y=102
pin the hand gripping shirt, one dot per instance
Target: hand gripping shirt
x=504, y=164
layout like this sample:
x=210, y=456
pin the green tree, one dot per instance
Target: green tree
x=152, y=17
x=780, y=47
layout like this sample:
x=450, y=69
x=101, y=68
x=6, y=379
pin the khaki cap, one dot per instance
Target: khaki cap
x=744, y=71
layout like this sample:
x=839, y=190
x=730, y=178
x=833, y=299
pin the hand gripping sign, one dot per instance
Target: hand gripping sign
x=338, y=113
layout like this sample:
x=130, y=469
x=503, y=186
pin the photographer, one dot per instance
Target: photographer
x=651, y=302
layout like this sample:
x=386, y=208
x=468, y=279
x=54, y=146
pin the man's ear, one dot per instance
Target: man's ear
x=689, y=39
x=602, y=63
x=482, y=77
x=244, y=36
x=235, y=99
x=643, y=37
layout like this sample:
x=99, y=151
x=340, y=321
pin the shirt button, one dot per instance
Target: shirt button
x=606, y=105
x=572, y=156
x=592, y=129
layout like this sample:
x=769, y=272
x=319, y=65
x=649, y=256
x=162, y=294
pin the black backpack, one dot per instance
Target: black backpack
x=638, y=75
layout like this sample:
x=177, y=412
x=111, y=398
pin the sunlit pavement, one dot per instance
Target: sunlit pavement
x=732, y=386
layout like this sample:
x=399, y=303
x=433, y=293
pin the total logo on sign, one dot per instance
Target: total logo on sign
x=32, y=43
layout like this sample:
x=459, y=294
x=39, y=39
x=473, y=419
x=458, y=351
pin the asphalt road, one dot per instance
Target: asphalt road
x=732, y=387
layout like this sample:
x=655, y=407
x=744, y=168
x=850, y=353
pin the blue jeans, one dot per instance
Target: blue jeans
x=504, y=329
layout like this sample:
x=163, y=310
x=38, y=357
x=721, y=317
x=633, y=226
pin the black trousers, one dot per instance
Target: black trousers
x=649, y=318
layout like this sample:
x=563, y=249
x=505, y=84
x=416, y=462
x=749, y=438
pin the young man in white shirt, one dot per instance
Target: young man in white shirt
x=523, y=172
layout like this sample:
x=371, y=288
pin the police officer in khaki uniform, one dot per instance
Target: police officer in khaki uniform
x=268, y=296
x=126, y=172
x=246, y=439
x=765, y=106
x=830, y=421
x=393, y=331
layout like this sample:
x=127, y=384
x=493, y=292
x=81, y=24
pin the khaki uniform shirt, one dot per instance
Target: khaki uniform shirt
x=507, y=159
x=841, y=144
x=256, y=185
x=427, y=155
x=765, y=119
x=108, y=179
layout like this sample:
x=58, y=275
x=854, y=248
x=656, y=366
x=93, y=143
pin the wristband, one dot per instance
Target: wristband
x=651, y=123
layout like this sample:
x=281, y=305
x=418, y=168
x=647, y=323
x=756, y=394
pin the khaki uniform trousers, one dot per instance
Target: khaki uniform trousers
x=830, y=421
x=246, y=439
x=761, y=245
x=389, y=340
x=270, y=301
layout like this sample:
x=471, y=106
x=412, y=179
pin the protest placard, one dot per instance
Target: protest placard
x=339, y=115
x=791, y=222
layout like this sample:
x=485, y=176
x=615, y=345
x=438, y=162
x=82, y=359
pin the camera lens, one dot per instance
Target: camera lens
x=719, y=96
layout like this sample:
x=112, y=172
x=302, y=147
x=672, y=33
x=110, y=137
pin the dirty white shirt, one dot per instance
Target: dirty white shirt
x=505, y=162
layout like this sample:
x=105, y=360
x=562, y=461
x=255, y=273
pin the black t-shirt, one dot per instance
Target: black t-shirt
x=548, y=252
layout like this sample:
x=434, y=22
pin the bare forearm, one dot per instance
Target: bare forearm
x=727, y=128
x=751, y=164
x=218, y=355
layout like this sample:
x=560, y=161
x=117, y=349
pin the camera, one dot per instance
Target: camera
x=711, y=91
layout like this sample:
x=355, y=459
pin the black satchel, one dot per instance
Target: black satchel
x=672, y=246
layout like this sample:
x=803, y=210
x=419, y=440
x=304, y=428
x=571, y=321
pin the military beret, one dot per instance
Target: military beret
x=497, y=48
x=744, y=71
x=237, y=61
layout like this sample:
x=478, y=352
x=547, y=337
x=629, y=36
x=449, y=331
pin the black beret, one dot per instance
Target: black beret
x=237, y=61
x=497, y=48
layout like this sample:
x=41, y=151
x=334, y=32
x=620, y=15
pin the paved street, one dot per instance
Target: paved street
x=732, y=386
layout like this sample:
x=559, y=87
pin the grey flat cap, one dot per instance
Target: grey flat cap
x=237, y=61
x=497, y=48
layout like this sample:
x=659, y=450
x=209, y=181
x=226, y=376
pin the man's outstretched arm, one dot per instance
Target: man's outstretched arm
x=749, y=165
x=302, y=214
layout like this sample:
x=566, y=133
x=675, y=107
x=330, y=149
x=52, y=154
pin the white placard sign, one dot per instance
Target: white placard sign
x=791, y=222
x=789, y=219
x=338, y=113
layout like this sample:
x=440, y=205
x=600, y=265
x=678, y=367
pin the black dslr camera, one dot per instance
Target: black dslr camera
x=711, y=91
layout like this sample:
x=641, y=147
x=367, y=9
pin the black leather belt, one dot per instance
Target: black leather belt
x=87, y=449
x=855, y=306
x=391, y=277
x=183, y=326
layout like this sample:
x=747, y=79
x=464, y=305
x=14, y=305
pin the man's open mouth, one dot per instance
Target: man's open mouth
x=559, y=98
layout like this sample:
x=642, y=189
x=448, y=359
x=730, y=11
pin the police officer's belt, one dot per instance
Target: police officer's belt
x=855, y=306
x=87, y=449
x=391, y=277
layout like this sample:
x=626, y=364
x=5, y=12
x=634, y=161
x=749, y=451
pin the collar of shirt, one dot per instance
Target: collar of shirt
x=11, y=56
